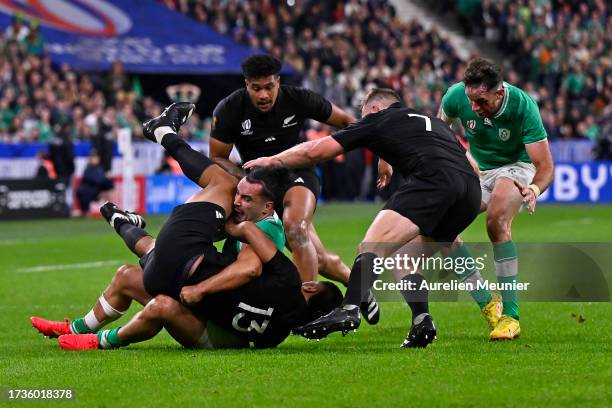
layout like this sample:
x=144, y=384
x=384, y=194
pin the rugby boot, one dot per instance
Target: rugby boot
x=50, y=328
x=78, y=341
x=421, y=334
x=112, y=213
x=492, y=312
x=339, y=319
x=507, y=328
x=170, y=121
x=370, y=309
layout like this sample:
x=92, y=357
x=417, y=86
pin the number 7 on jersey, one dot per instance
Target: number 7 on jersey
x=427, y=120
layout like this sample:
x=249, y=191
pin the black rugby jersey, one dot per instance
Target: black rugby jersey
x=264, y=310
x=410, y=141
x=258, y=134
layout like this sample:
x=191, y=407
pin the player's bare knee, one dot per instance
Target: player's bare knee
x=123, y=276
x=297, y=233
x=161, y=307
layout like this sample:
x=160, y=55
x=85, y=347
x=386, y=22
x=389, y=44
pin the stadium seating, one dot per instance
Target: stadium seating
x=558, y=51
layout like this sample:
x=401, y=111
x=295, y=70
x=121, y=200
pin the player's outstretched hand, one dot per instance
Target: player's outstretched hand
x=262, y=162
x=529, y=196
x=190, y=295
x=385, y=171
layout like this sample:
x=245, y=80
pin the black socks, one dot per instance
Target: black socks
x=192, y=162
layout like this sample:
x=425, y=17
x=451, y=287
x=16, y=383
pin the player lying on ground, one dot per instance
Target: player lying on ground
x=216, y=314
x=183, y=229
x=265, y=118
x=509, y=143
x=439, y=199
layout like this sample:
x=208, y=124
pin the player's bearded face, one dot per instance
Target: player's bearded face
x=485, y=103
x=263, y=91
x=249, y=202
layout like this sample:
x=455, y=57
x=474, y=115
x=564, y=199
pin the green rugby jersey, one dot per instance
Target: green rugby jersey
x=500, y=140
x=273, y=227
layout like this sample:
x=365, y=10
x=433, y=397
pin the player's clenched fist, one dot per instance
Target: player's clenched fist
x=191, y=295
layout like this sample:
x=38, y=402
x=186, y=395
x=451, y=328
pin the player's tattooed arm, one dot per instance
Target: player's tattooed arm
x=230, y=167
x=245, y=268
x=302, y=155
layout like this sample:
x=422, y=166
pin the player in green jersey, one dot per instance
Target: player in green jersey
x=508, y=142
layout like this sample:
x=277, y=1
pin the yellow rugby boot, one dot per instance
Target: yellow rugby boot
x=507, y=329
x=492, y=311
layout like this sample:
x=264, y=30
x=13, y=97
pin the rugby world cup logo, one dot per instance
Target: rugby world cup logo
x=246, y=127
x=96, y=18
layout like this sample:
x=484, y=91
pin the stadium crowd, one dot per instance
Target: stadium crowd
x=40, y=102
x=557, y=50
x=341, y=48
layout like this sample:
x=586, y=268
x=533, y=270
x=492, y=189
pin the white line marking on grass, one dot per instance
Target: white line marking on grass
x=47, y=268
x=10, y=242
x=574, y=222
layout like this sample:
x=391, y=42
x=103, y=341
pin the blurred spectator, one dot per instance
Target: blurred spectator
x=17, y=31
x=116, y=80
x=183, y=92
x=34, y=42
x=93, y=183
x=169, y=165
x=46, y=170
x=61, y=153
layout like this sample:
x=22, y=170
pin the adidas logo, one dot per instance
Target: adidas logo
x=218, y=214
x=188, y=115
x=298, y=180
x=270, y=139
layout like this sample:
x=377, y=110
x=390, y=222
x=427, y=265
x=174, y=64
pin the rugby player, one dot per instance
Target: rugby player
x=265, y=118
x=241, y=285
x=215, y=313
x=439, y=199
x=509, y=143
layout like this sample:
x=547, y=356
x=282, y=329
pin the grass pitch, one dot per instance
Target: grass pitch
x=58, y=268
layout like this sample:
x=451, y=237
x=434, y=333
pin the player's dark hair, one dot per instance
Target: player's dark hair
x=324, y=301
x=260, y=65
x=274, y=181
x=482, y=72
x=381, y=94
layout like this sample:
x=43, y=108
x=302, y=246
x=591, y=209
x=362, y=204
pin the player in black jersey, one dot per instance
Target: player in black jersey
x=439, y=199
x=257, y=297
x=266, y=118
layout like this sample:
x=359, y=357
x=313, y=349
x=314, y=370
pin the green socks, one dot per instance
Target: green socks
x=472, y=276
x=506, y=269
x=78, y=326
x=109, y=339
